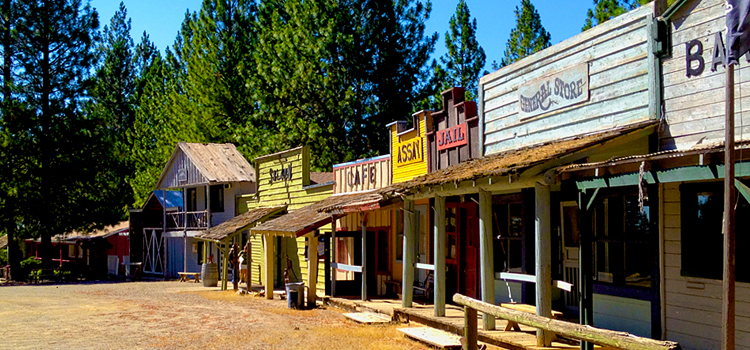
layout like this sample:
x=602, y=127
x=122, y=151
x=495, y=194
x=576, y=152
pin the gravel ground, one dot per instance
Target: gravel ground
x=173, y=315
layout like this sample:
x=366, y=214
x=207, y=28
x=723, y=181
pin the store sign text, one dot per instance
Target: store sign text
x=409, y=152
x=694, y=62
x=359, y=175
x=282, y=174
x=555, y=91
x=452, y=137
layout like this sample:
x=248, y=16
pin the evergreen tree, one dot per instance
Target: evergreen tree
x=528, y=37
x=604, y=10
x=465, y=59
x=70, y=171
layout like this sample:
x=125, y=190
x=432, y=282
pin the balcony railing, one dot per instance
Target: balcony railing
x=196, y=220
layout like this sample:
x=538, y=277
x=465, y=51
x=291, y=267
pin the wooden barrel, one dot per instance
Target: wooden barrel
x=210, y=274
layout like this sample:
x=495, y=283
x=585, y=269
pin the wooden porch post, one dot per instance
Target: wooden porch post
x=543, y=251
x=312, y=270
x=249, y=261
x=439, y=231
x=225, y=265
x=332, y=257
x=184, y=232
x=268, y=242
x=364, y=256
x=407, y=286
x=486, y=256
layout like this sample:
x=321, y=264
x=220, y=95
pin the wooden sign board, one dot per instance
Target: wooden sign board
x=408, y=148
x=362, y=175
x=552, y=92
x=452, y=137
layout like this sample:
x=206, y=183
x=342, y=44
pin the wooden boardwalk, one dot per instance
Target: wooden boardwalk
x=453, y=322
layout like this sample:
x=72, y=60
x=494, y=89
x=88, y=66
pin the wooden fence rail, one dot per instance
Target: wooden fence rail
x=620, y=340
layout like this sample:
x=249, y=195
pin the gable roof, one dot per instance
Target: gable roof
x=320, y=178
x=205, y=163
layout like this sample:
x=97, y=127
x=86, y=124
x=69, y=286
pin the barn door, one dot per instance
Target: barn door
x=569, y=219
x=154, y=256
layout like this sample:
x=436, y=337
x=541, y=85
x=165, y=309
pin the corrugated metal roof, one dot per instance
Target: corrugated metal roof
x=510, y=161
x=305, y=219
x=216, y=162
x=239, y=223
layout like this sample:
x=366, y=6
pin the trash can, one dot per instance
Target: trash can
x=295, y=293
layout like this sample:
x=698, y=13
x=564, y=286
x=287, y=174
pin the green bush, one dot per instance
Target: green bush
x=30, y=265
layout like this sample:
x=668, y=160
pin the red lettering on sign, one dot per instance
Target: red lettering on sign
x=452, y=137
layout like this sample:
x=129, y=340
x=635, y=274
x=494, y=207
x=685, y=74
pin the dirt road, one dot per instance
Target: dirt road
x=173, y=315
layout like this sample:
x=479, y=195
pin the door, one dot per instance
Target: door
x=423, y=241
x=570, y=235
x=469, y=230
x=452, y=250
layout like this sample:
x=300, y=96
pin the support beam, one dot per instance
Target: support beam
x=268, y=243
x=364, y=256
x=585, y=259
x=543, y=256
x=332, y=257
x=471, y=332
x=225, y=266
x=184, y=232
x=312, y=271
x=410, y=235
x=486, y=256
x=440, y=252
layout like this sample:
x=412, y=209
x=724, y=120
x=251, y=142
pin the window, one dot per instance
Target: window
x=192, y=200
x=200, y=252
x=624, y=237
x=702, y=211
x=217, y=198
x=507, y=231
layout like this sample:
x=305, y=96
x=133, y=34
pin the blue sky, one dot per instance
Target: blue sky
x=495, y=18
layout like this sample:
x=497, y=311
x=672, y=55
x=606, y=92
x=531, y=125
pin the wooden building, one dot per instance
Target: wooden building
x=285, y=179
x=681, y=179
x=211, y=177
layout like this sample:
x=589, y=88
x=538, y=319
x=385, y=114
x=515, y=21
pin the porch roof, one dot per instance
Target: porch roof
x=238, y=223
x=513, y=161
x=309, y=218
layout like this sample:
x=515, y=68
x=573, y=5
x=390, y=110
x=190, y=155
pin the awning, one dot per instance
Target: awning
x=241, y=222
x=309, y=218
x=359, y=202
x=701, y=162
x=518, y=160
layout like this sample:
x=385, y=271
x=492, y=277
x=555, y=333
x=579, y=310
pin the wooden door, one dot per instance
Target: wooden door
x=570, y=235
x=452, y=276
x=469, y=231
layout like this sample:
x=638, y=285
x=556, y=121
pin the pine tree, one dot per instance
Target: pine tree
x=528, y=37
x=70, y=170
x=465, y=59
x=605, y=10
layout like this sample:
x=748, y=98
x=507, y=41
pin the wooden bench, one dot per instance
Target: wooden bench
x=525, y=308
x=393, y=287
x=184, y=276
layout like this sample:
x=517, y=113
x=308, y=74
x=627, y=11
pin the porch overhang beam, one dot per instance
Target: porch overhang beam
x=488, y=184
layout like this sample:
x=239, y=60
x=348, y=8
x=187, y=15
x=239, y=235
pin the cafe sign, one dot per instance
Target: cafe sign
x=552, y=92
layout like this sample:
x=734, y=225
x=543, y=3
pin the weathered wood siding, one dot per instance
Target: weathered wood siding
x=619, y=67
x=171, y=176
x=292, y=192
x=362, y=175
x=694, y=106
x=401, y=137
x=455, y=112
x=693, y=305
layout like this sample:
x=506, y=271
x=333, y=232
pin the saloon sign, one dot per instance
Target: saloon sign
x=452, y=137
x=555, y=91
x=280, y=174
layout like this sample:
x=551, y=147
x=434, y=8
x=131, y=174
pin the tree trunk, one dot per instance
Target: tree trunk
x=45, y=185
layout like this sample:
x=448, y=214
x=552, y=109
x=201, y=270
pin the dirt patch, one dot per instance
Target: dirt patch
x=173, y=315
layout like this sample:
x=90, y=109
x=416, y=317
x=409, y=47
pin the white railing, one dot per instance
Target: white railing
x=195, y=220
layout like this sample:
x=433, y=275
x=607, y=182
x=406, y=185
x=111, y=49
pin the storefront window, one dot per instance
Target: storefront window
x=702, y=211
x=507, y=223
x=623, y=237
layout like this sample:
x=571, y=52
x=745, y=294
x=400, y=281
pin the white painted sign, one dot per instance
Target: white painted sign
x=555, y=91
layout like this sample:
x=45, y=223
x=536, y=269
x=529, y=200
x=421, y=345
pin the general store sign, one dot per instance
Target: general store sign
x=452, y=137
x=553, y=92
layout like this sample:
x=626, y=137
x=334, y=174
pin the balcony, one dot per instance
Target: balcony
x=191, y=220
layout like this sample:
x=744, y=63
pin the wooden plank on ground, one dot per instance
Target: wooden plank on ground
x=367, y=317
x=434, y=337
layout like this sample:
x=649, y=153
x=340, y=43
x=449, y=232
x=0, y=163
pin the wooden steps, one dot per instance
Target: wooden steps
x=434, y=337
x=367, y=317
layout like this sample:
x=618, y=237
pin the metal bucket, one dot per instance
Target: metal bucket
x=295, y=293
x=210, y=274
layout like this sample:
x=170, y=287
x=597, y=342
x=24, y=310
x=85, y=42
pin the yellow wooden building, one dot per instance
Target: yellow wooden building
x=285, y=178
